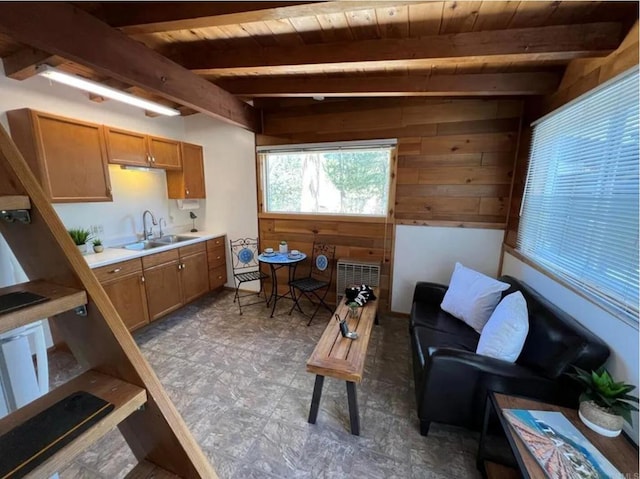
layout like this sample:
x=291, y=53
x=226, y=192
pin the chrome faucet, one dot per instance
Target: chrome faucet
x=160, y=221
x=148, y=234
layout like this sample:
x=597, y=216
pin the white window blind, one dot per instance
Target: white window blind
x=579, y=216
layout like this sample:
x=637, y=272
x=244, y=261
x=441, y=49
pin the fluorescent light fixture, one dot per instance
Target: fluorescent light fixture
x=135, y=168
x=93, y=87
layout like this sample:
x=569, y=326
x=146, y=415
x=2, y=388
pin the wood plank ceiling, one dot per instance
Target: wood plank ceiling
x=265, y=50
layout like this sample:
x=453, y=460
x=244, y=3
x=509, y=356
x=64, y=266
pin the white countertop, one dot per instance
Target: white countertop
x=115, y=255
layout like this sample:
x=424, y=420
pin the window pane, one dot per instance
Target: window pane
x=580, y=209
x=347, y=182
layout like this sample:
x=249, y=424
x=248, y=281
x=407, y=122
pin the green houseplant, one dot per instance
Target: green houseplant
x=604, y=403
x=97, y=245
x=80, y=236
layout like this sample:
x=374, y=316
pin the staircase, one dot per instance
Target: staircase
x=91, y=327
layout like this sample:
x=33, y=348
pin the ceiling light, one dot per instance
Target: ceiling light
x=102, y=90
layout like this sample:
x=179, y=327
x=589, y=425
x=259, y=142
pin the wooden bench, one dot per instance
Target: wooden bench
x=343, y=358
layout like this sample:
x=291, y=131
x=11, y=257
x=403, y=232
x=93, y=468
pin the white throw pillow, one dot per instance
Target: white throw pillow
x=504, y=334
x=472, y=296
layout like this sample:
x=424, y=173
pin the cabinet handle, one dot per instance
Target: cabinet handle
x=142, y=280
x=179, y=266
x=217, y=257
x=184, y=266
x=117, y=270
x=187, y=191
x=148, y=158
x=153, y=160
x=219, y=277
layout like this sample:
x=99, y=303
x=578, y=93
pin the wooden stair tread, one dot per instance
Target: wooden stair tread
x=126, y=398
x=148, y=470
x=498, y=471
x=61, y=299
x=14, y=202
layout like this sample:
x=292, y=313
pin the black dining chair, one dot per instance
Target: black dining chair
x=246, y=268
x=317, y=284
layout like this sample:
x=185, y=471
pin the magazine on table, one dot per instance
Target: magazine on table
x=561, y=450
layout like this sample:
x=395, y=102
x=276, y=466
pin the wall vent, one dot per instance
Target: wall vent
x=353, y=271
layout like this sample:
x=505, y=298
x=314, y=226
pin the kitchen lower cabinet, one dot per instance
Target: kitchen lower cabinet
x=124, y=283
x=195, y=279
x=216, y=257
x=163, y=282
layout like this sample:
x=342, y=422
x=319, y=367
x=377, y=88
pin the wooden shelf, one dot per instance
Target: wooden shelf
x=61, y=299
x=126, y=398
x=498, y=471
x=147, y=470
x=9, y=203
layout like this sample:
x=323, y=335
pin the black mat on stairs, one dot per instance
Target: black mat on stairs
x=37, y=439
x=19, y=299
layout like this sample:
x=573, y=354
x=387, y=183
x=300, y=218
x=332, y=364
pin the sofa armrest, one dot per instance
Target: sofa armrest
x=455, y=384
x=429, y=292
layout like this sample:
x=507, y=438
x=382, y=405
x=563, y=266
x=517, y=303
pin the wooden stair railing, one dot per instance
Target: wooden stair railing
x=95, y=334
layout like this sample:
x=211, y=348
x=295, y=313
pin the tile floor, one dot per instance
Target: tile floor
x=241, y=386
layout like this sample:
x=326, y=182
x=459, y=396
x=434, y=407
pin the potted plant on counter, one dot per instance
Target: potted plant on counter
x=97, y=246
x=604, y=404
x=80, y=237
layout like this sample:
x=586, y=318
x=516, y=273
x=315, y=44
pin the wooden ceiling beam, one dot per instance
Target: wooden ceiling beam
x=66, y=31
x=477, y=84
x=563, y=42
x=137, y=17
x=22, y=64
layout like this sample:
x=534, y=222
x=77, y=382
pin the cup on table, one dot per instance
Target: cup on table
x=295, y=252
x=268, y=250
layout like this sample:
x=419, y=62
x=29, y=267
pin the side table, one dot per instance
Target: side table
x=619, y=450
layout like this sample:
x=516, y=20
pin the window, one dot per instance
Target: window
x=345, y=180
x=579, y=215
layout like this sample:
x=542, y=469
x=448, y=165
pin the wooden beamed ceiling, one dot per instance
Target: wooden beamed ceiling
x=209, y=56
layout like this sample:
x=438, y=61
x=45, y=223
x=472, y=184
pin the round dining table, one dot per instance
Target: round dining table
x=277, y=261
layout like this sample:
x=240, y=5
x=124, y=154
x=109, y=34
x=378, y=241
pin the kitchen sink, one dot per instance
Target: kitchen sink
x=171, y=239
x=142, y=245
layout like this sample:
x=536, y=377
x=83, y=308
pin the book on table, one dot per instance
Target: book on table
x=561, y=450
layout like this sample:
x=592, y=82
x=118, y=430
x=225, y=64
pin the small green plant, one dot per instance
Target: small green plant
x=283, y=243
x=97, y=242
x=79, y=236
x=600, y=388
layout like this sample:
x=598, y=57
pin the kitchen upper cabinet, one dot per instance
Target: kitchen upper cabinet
x=68, y=157
x=164, y=153
x=126, y=147
x=124, y=283
x=189, y=181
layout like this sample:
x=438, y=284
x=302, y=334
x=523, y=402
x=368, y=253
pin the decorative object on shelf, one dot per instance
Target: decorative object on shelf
x=365, y=293
x=351, y=293
x=353, y=309
x=268, y=252
x=344, y=329
x=604, y=404
x=80, y=237
x=283, y=247
x=193, y=217
x=97, y=246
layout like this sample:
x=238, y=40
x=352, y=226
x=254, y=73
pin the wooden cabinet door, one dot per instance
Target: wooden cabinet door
x=126, y=147
x=68, y=156
x=195, y=276
x=163, y=289
x=189, y=181
x=164, y=153
x=128, y=295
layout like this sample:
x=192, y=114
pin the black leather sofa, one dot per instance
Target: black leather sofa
x=451, y=381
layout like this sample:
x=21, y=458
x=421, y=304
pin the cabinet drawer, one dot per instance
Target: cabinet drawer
x=192, y=249
x=215, y=256
x=117, y=270
x=217, y=277
x=159, y=258
x=215, y=242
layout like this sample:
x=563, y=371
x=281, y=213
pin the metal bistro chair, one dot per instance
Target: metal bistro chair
x=319, y=279
x=246, y=268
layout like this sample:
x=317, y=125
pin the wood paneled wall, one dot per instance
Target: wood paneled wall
x=580, y=77
x=455, y=161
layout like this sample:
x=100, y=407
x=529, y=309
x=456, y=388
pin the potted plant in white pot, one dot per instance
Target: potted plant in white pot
x=97, y=246
x=604, y=404
x=80, y=237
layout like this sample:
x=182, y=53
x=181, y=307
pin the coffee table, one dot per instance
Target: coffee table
x=343, y=358
x=619, y=450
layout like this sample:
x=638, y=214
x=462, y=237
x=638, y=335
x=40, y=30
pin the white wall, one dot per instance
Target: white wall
x=230, y=176
x=620, y=336
x=429, y=253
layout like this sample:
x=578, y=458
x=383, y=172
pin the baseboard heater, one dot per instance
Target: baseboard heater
x=354, y=271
